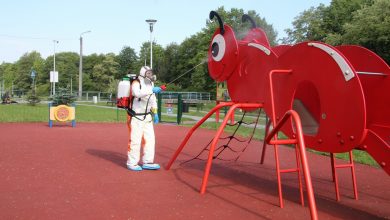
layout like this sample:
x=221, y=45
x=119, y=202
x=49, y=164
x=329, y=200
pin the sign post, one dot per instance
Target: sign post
x=53, y=80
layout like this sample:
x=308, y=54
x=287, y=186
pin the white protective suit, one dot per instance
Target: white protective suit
x=142, y=126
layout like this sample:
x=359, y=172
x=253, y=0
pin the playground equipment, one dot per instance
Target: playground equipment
x=62, y=113
x=330, y=99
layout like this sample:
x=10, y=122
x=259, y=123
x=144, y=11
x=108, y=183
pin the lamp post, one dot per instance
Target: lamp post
x=145, y=55
x=151, y=22
x=81, y=65
x=33, y=74
x=54, y=66
x=2, y=86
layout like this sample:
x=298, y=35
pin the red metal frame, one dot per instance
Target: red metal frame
x=299, y=141
x=300, y=146
x=189, y=134
x=215, y=139
x=334, y=174
x=279, y=171
x=217, y=114
x=267, y=126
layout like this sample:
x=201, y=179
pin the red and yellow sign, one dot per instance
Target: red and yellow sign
x=62, y=113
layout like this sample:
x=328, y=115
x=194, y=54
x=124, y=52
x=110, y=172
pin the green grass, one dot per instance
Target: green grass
x=358, y=156
x=200, y=112
x=40, y=113
x=242, y=131
x=94, y=114
x=23, y=113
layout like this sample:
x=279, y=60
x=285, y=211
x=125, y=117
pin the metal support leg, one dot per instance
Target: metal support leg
x=216, y=138
x=335, y=178
x=189, y=134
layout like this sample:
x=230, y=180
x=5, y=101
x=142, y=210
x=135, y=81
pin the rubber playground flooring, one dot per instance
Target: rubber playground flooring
x=80, y=173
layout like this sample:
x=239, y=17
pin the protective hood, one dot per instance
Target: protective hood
x=147, y=74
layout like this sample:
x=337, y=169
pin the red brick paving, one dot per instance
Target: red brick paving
x=79, y=173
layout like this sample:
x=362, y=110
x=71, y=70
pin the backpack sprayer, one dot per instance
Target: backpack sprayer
x=125, y=97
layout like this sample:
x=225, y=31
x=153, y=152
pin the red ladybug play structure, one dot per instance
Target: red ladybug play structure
x=330, y=99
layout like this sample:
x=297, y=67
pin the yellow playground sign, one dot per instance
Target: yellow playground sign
x=62, y=113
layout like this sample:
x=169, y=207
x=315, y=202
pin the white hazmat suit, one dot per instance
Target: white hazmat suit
x=144, y=104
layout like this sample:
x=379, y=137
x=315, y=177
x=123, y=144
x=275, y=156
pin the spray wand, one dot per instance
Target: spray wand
x=164, y=87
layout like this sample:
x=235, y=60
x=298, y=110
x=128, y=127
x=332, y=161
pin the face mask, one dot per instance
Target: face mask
x=149, y=75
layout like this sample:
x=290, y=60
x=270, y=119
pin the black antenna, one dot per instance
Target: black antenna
x=246, y=18
x=215, y=14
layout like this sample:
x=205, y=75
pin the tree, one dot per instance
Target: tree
x=144, y=57
x=68, y=69
x=89, y=62
x=103, y=73
x=22, y=75
x=63, y=97
x=360, y=22
x=7, y=75
x=307, y=26
x=376, y=32
x=340, y=12
x=67, y=64
x=323, y=23
x=168, y=63
x=189, y=55
x=100, y=71
x=127, y=60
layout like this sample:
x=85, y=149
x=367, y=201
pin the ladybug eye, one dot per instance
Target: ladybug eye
x=214, y=49
x=218, y=47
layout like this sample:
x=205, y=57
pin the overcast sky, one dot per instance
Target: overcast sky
x=28, y=25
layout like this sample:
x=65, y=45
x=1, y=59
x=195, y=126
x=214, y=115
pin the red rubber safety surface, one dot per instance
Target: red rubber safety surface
x=80, y=173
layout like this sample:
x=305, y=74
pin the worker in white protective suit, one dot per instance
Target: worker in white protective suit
x=144, y=105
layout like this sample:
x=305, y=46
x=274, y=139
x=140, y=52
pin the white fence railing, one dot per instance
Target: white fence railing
x=106, y=96
x=204, y=96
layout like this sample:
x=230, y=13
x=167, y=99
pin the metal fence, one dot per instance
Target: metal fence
x=100, y=96
x=205, y=96
x=97, y=96
x=106, y=96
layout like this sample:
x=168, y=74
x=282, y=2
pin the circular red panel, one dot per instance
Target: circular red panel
x=337, y=105
x=62, y=113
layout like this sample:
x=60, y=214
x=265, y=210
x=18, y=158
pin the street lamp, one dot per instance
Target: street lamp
x=81, y=65
x=2, y=86
x=145, y=55
x=151, y=22
x=33, y=75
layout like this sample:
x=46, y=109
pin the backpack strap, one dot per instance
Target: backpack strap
x=130, y=110
x=131, y=93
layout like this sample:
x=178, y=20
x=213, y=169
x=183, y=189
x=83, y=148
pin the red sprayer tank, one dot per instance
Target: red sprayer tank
x=123, y=96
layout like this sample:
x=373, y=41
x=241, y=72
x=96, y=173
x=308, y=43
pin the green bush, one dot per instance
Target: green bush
x=63, y=97
x=33, y=99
